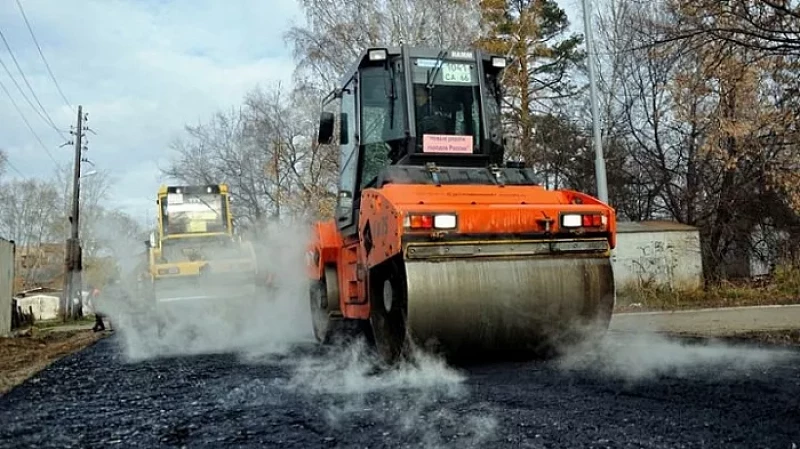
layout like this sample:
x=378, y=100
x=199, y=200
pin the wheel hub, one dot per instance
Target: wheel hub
x=388, y=295
x=322, y=299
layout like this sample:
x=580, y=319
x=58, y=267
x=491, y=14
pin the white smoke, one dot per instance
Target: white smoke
x=646, y=355
x=269, y=321
x=414, y=401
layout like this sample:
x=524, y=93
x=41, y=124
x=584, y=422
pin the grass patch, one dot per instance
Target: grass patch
x=781, y=289
x=50, y=324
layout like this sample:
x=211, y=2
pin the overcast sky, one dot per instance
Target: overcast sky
x=141, y=69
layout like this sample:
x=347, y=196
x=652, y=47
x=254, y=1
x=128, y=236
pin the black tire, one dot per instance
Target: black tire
x=320, y=317
x=388, y=311
x=324, y=302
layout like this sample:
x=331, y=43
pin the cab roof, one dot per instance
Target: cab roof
x=472, y=54
x=193, y=188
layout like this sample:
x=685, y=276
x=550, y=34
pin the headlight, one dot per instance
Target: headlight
x=498, y=62
x=571, y=221
x=588, y=220
x=443, y=221
x=430, y=221
x=377, y=55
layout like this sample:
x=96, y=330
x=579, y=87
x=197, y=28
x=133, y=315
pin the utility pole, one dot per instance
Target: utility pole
x=599, y=160
x=73, y=262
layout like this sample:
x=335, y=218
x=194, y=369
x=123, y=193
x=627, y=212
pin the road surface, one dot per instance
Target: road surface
x=717, y=322
x=634, y=391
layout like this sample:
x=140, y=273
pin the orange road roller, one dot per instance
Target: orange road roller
x=437, y=241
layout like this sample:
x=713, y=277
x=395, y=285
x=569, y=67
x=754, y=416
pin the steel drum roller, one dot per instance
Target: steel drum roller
x=505, y=305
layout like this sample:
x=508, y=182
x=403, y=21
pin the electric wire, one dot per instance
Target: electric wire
x=14, y=167
x=38, y=47
x=19, y=111
x=46, y=117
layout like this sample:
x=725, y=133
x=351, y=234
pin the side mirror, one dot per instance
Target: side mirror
x=326, y=121
x=152, y=241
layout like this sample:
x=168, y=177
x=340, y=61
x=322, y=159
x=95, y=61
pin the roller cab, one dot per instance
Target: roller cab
x=436, y=241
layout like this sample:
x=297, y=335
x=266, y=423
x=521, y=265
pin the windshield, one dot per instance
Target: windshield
x=447, y=106
x=192, y=213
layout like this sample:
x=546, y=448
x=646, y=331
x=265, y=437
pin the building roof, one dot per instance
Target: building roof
x=627, y=227
x=37, y=291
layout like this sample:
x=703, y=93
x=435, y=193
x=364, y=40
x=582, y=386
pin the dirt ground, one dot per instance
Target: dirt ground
x=23, y=356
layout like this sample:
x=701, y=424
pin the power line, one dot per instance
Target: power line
x=13, y=167
x=19, y=111
x=53, y=77
x=24, y=78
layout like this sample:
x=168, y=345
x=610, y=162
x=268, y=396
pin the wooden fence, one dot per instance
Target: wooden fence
x=20, y=318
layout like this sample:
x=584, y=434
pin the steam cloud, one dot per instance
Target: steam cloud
x=644, y=355
x=416, y=402
x=269, y=321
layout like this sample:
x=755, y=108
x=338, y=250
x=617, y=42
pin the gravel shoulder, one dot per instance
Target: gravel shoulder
x=23, y=356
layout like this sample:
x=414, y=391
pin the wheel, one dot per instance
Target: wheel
x=320, y=318
x=324, y=302
x=388, y=312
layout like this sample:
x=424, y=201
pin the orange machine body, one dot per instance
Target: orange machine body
x=396, y=214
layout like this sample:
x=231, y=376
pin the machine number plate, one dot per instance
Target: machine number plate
x=456, y=73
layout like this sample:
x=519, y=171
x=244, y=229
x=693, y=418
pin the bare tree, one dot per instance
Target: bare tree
x=3, y=162
x=27, y=216
x=338, y=30
x=267, y=152
x=303, y=172
x=765, y=26
x=94, y=191
x=120, y=240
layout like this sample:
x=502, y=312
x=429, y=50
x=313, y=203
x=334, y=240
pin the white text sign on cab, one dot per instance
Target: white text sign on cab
x=456, y=73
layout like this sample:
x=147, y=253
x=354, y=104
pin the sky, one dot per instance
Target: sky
x=141, y=69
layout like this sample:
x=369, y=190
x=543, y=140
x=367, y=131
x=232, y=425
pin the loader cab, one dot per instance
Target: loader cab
x=411, y=106
x=193, y=211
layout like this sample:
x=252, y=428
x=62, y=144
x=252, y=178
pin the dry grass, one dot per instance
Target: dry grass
x=783, y=288
x=23, y=357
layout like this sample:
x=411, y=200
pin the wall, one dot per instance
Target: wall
x=7, y=250
x=668, y=258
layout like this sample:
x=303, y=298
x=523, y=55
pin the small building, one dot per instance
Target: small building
x=7, y=250
x=44, y=302
x=658, y=253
